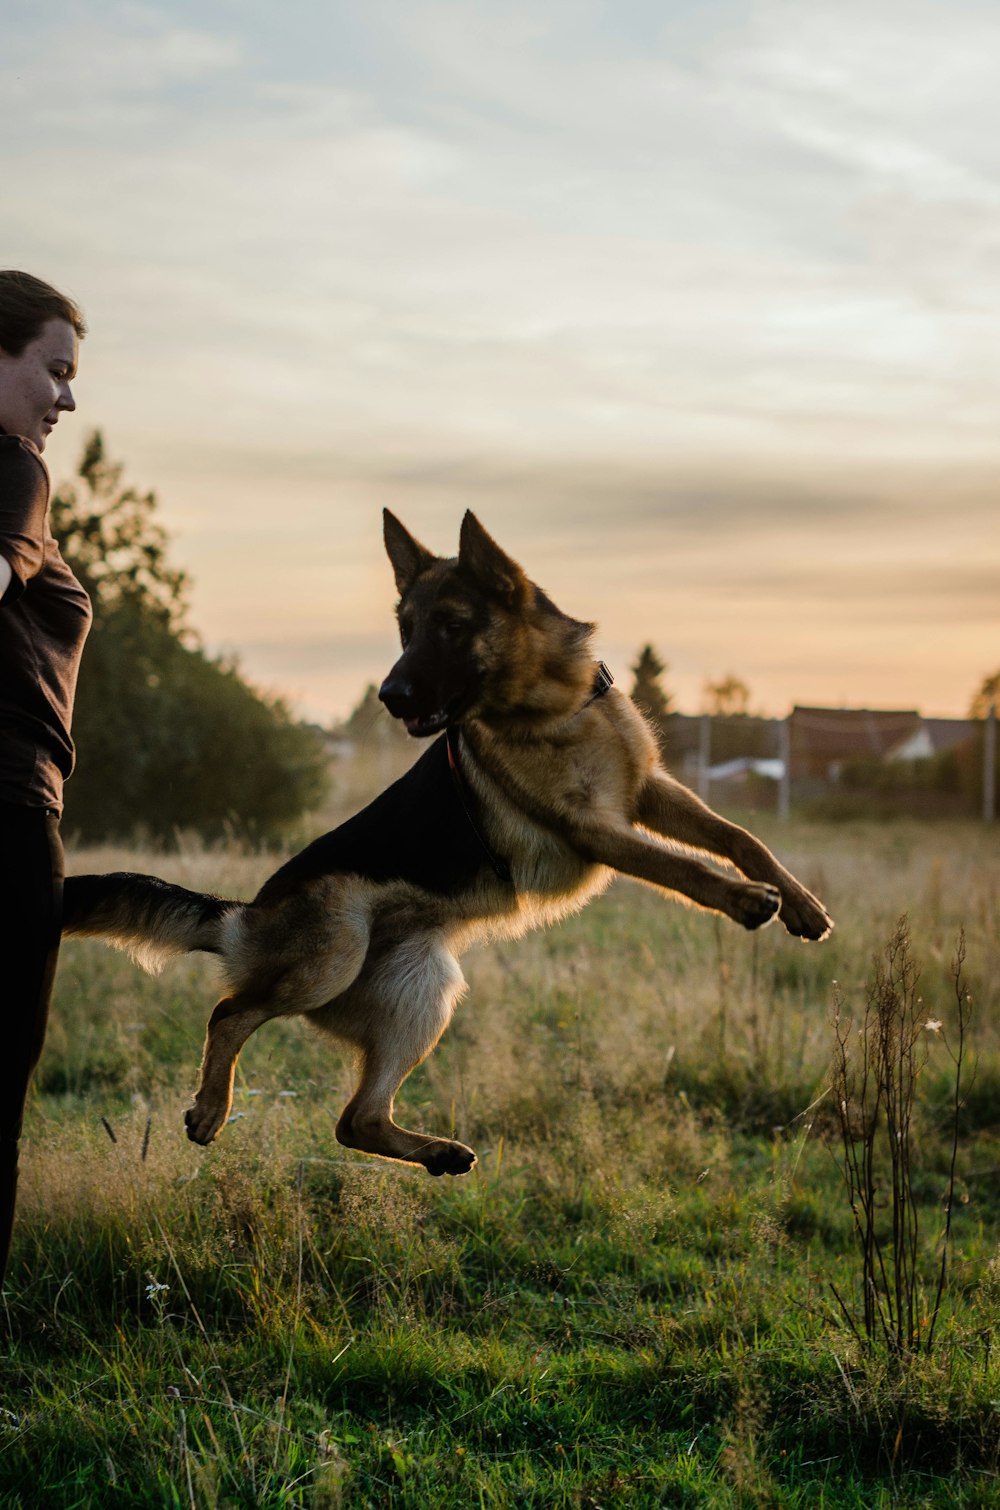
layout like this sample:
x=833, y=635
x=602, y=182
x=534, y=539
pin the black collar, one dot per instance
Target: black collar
x=603, y=683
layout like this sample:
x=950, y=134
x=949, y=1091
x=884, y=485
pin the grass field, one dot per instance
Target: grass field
x=628, y=1301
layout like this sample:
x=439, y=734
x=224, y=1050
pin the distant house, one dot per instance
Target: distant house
x=935, y=736
x=823, y=740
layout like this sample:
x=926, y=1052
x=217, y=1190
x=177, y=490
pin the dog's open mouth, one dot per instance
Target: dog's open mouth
x=427, y=723
x=420, y=725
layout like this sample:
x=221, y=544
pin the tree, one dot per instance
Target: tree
x=116, y=544
x=727, y=698
x=168, y=738
x=987, y=697
x=371, y=724
x=985, y=773
x=648, y=692
x=735, y=731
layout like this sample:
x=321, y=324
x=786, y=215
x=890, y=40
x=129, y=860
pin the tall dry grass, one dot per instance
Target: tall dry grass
x=627, y=1299
x=636, y=1004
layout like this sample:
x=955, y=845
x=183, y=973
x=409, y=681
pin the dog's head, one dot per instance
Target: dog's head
x=479, y=639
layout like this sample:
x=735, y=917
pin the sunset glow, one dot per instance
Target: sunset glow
x=695, y=306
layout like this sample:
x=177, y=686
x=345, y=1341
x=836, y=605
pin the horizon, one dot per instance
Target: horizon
x=694, y=306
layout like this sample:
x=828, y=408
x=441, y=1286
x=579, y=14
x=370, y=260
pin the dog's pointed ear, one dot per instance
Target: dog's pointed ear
x=487, y=564
x=409, y=558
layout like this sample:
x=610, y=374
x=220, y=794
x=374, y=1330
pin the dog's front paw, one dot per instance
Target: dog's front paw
x=804, y=915
x=449, y=1158
x=205, y=1120
x=756, y=904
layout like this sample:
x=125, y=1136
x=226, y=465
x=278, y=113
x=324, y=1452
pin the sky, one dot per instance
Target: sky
x=696, y=305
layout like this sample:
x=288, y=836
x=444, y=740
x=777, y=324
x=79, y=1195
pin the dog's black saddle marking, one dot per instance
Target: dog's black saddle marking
x=422, y=829
x=466, y=798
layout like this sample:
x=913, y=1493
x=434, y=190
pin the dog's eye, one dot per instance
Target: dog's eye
x=453, y=629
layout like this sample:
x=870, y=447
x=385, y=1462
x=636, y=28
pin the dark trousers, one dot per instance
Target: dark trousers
x=31, y=881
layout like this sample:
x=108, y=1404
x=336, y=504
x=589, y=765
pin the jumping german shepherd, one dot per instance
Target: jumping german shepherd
x=544, y=781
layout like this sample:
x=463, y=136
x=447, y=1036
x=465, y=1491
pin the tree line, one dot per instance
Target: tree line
x=168, y=737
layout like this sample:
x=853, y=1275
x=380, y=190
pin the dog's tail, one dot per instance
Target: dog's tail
x=150, y=919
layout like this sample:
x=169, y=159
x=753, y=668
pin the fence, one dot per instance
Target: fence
x=897, y=761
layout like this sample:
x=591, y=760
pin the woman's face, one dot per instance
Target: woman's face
x=34, y=386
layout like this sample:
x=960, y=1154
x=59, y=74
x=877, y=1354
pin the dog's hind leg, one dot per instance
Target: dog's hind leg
x=367, y=1122
x=229, y=1027
x=412, y=996
x=302, y=989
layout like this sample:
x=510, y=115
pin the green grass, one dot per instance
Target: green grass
x=627, y=1302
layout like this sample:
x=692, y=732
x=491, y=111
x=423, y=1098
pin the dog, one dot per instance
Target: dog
x=542, y=784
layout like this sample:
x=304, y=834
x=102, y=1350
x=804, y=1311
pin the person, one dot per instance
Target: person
x=44, y=618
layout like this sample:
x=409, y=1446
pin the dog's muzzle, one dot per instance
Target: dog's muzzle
x=398, y=695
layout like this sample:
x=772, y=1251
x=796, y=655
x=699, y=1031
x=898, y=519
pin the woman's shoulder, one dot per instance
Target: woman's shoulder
x=24, y=493
x=19, y=445
x=21, y=460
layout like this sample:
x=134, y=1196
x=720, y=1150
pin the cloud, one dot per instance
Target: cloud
x=538, y=245
x=705, y=290
x=136, y=55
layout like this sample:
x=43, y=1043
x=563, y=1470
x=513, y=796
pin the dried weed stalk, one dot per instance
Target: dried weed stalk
x=876, y=1068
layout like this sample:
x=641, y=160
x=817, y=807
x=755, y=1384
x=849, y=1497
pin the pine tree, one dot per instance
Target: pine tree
x=647, y=690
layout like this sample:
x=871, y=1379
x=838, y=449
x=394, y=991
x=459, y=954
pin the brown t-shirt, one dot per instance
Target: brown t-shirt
x=44, y=619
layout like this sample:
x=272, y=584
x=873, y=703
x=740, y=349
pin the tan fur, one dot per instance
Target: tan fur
x=570, y=790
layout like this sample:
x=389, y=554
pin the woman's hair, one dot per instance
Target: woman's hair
x=26, y=304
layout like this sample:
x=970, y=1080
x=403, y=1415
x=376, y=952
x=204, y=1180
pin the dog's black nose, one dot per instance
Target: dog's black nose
x=397, y=694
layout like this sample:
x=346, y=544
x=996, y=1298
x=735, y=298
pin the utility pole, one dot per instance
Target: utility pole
x=990, y=763
x=704, y=754
x=785, y=780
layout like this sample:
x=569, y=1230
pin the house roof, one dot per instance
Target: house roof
x=851, y=733
x=947, y=733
